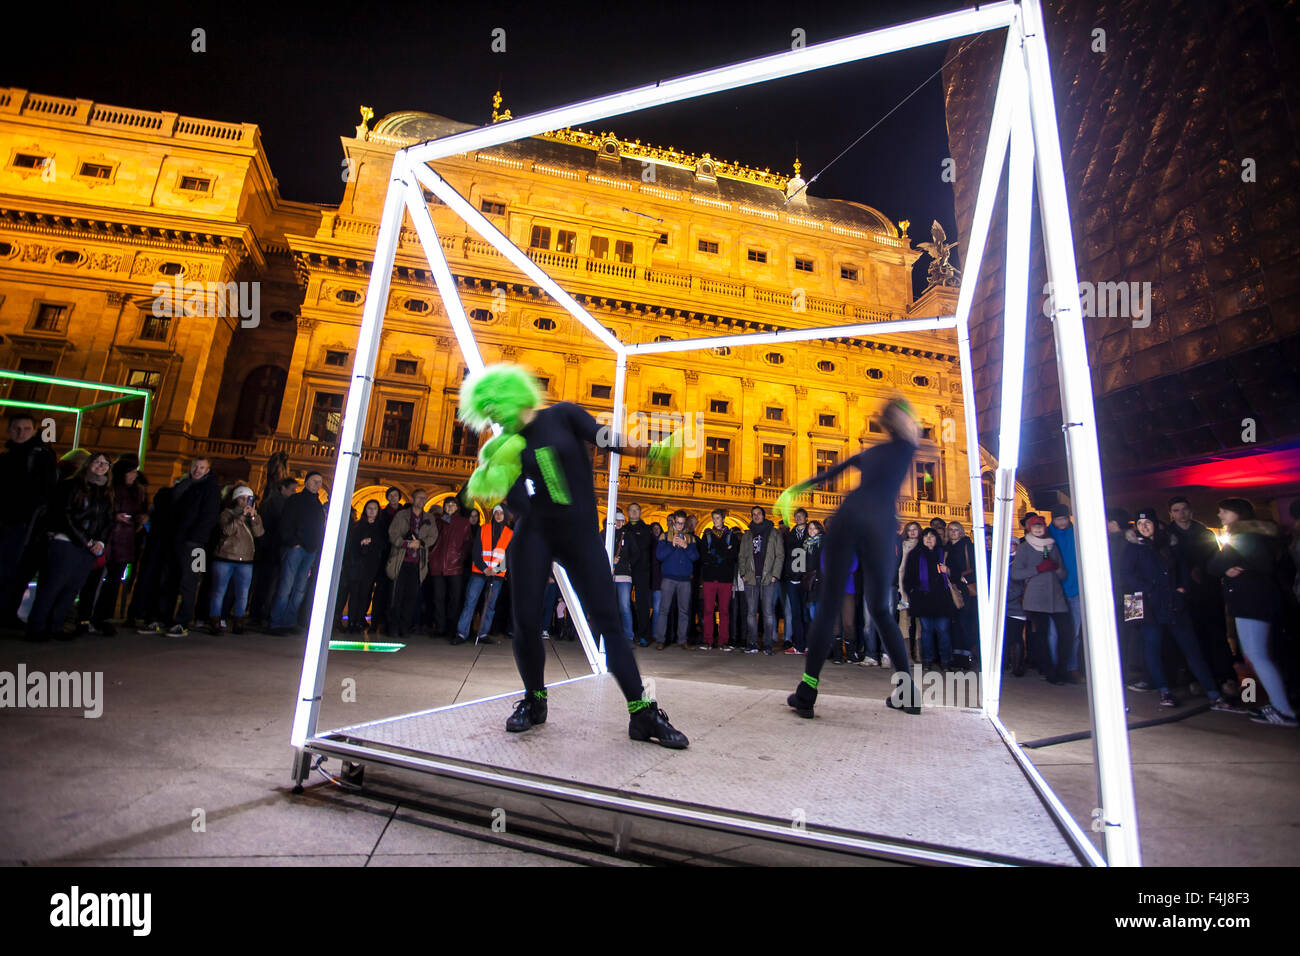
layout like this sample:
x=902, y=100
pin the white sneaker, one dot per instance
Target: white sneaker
x=727, y=649
x=546, y=635
x=885, y=661
x=1268, y=714
x=869, y=662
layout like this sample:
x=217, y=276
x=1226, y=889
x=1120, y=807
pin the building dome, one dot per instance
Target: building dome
x=418, y=127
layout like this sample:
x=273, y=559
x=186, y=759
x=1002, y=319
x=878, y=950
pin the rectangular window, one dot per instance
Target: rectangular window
x=566, y=241
x=544, y=384
x=873, y=426
x=96, y=171
x=828, y=459
x=195, y=184
x=803, y=265
x=540, y=238
x=20, y=391
x=663, y=238
x=757, y=255
x=336, y=358
x=396, y=432
x=29, y=161
x=326, y=417
x=464, y=442
x=710, y=247
x=717, y=459
x=927, y=432
x=825, y=421
x=926, y=489
x=719, y=406
x=492, y=208
x=405, y=366
x=599, y=247
x=773, y=413
x=155, y=328
x=601, y=391
x=662, y=399
x=50, y=318
x=132, y=415
x=774, y=464
x=849, y=272
x=623, y=251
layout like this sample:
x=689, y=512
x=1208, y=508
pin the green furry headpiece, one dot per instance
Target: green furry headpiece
x=498, y=394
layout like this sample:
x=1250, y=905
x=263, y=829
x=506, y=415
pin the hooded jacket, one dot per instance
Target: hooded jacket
x=773, y=554
x=1255, y=594
x=677, y=563
x=1149, y=565
x=1069, y=557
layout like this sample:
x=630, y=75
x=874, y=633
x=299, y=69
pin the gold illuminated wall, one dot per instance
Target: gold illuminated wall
x=654, y=242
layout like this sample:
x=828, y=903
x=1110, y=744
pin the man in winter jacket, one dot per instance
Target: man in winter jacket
x=1194, y=545
x=762, y=554
x=380, y=617
x=639, y=533
x=196, y=510
x=28, y=471
x=302, y=529
x=677, y=554
x=446, y=567
x=793, y=568
x=719, y=547
x=1063, y=531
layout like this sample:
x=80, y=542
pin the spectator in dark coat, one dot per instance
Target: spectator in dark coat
x=446, y=569
x=383, y=599
x=266, y=559
x=302, y=529
x=719, y=549
x=28, y=472
x=644, y=589
x=366, y=549
x=77, y=521
x=1194, y=545
x=925, y=579
x=130, y=509
x=196, y=508
x=1247, y=565
x=1151, y=568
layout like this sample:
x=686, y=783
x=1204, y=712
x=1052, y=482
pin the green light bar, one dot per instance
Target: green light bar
x=18, y=403
x=381, y=648
x=75, y=383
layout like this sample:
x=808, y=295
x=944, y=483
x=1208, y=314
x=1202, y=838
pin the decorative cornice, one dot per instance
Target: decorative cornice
x=692, y=376
x=571, y=358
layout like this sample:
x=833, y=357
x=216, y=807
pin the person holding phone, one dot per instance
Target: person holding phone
x=677, y=556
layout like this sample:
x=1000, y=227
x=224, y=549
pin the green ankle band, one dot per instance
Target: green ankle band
x=634, y=706
x=810, y=681
x=539, y=694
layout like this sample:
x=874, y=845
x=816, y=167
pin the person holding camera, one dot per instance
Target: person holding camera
x=677, y=554
x=240, y=527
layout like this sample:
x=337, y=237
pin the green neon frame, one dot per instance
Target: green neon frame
x=126, y=393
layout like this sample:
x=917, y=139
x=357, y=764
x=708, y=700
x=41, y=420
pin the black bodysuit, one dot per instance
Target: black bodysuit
x=557, y=521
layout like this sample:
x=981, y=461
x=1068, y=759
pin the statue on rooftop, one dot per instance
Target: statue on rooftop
x=942, y=272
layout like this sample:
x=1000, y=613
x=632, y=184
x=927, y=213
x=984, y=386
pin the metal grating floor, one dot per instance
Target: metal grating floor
x=942, y=778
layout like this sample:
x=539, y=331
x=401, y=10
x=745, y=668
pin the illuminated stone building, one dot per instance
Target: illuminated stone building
x=654, y=242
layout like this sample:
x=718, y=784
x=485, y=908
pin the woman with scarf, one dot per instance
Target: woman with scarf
x=77, y=520
x=960, y=552
x=540, y=465
x=1038, y=564
x=1149, y=567
x=925, y=581
x=130, y=508
x=1247, y=564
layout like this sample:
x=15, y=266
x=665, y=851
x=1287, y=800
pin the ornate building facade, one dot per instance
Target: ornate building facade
x=104, y=209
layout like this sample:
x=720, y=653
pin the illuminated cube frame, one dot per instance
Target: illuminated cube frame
x=1024, y=128
x=125, y=393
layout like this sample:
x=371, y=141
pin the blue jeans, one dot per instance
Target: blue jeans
x=654, y=610
x=624, y=589
x=766, y=597
x=1253, y=635
x=792, y=605
x=222, y=573
x=1076, y=613
x=295, y=569
x=1181, y=627
x=476, y=585
x=930, y=627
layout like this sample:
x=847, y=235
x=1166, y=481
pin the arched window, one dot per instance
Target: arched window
x=259, y=402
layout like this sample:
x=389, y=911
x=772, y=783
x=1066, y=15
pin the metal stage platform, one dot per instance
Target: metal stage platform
x=859, y=784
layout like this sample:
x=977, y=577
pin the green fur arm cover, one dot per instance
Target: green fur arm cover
x=500, y=464
x=661, y=454
x=785, y=503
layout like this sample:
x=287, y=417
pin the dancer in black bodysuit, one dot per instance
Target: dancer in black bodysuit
x=865, y=525
x=555, y=505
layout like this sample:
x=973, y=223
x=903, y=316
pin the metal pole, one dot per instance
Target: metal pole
x=76, y=431
x=1020, y=186
x=1118, y=808
x=145, y=421
x=618, y=429
x=311, y=684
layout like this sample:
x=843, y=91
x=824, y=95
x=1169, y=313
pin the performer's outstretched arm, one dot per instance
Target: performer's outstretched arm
x=785, y=503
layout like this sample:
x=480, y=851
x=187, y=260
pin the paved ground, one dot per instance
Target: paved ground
x=196, y=731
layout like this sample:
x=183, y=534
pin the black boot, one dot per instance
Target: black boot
x=905, y=696
x=803, y=699
x=651, y=723
x=1018, y=659
x=528, y=712
x=237, y=625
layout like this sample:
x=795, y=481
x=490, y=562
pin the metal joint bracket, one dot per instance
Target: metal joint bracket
x=1069, y=425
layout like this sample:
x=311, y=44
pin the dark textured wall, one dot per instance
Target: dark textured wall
x=1153, y=132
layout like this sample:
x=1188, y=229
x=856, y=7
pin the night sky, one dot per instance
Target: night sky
x=301, y=73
